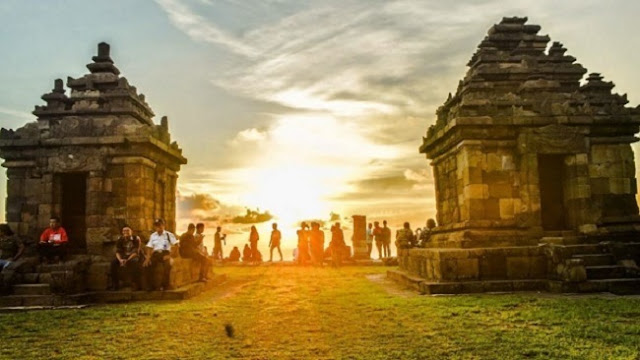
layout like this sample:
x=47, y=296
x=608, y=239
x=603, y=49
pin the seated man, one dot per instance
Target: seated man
x=53, y=241
x=11, y=247
x=246, y=253
x=404, y=237
x=159, y=255
x=189, y=249
x=235, y=254
x=127, y=258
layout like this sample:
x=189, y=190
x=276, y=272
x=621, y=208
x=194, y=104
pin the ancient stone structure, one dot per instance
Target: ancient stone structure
x=359, y=237
x=524, y=154
x=96, y=159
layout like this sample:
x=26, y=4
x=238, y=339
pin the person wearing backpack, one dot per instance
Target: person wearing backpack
x=159, y=255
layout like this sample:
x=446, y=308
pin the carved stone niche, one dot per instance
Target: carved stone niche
x=553, y=139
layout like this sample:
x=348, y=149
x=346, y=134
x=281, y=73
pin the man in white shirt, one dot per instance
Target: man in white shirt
x=159, y=256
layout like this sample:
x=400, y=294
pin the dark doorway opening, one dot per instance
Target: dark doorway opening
x=73, y=206
x=552, y=178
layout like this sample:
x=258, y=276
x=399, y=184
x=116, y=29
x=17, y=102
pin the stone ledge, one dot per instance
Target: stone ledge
x=13, y=302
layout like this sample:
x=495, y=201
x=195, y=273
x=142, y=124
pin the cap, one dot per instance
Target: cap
x=158, y=221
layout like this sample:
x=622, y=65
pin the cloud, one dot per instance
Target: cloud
x=16, y=113
x=360, y=80
x=204, y=207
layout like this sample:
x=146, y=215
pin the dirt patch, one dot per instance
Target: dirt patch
x=389, y=286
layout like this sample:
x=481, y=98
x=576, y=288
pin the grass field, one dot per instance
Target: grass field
x=348, y=313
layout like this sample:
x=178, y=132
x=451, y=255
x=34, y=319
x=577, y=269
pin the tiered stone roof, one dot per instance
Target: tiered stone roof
x=101, y=91
x=513, y=79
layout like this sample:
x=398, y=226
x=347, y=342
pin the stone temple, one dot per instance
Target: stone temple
x=96, y=159
x=534, y=176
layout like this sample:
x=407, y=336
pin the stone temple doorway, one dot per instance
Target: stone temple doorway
x=551, y=170
x=73, y=208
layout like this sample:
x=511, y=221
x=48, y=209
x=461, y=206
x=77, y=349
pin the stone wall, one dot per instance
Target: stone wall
x=479, y=264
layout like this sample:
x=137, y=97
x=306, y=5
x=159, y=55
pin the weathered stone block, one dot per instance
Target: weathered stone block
x=476, y=191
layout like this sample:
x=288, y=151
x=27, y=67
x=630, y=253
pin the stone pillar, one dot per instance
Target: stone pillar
x=359, y=238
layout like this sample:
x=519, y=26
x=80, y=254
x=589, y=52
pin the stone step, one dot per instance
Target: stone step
x=618, y=286
x=606, y=272
x=30, y=278
x=585, y=249
x=31, y=289
x=30, y=300
x=483, y=286
x=596, y=259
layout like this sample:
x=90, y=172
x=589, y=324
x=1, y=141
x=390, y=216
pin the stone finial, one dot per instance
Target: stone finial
x=164, y=123
x=142, y=97
x=103, y=49
x=104, y=55
x=102, y=62
x=58, y=86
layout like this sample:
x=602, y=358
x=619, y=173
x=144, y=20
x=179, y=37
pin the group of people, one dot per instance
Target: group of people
x=133, y=257
x=311, y=248
x=406, y=239
x=381, y=236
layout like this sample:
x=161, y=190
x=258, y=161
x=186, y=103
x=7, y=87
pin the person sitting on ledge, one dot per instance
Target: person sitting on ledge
x=53, y=241
x=234, y=256
x=425, y=234
x=159, y=255
x=404, y=237
x=189, y=249
x=11, y=247
x=127, y=258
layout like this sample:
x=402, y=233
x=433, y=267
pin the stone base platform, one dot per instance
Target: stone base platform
x=555, y=265
x=44, y=301
x=466, y=287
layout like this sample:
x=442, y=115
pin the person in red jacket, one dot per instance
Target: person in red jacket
x=53, y=241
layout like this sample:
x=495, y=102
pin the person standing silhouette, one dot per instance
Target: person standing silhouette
x=378, y=238
x=386, y=239
x=316, y=242
x=274, y=242
x=253, y=240
x=303, y=244
x=337, y=245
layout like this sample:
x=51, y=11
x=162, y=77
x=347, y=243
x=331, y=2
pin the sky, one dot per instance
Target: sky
x=297, y=107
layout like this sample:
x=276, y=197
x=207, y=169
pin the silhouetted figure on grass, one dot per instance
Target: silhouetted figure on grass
x=234, y=256
x=316, y=243
x=218, y=239
x=246, y=253
x=337, y=245
x=369, y=239
x=253, y=240
x=386, y=239
x=303, y=244
x=378, y=238
x=274, y=242
x=53, y=242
